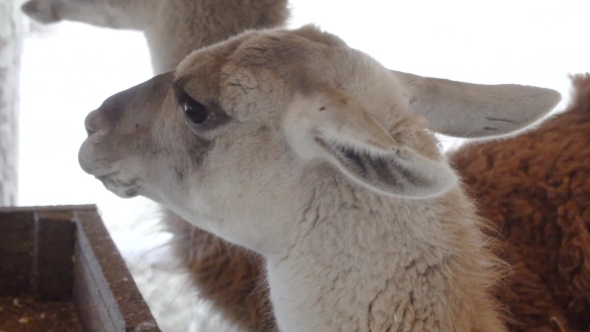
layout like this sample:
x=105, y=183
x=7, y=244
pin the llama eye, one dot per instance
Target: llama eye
x=204, y=119
x=195, y=111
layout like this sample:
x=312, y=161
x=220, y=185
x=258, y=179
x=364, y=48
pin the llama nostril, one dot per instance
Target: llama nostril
x=90, y=131
x=91, y=123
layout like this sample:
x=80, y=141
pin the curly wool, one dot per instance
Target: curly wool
x=536, y=189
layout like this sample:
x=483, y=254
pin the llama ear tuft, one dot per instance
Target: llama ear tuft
x=346, y=135
x=399, y=172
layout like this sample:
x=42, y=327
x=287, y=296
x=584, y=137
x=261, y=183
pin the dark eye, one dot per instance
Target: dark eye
x=195, y=111
x=204, y=118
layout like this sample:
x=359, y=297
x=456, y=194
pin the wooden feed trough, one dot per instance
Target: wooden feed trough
x=60, y=271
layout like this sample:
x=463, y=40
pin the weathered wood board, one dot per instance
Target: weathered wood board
x=58, y=265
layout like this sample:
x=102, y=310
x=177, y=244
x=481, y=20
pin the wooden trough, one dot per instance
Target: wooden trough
x=60, y=271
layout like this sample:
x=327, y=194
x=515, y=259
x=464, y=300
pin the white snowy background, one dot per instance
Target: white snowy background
x=68, y=69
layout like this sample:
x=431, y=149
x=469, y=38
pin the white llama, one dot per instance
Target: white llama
x=313, y=155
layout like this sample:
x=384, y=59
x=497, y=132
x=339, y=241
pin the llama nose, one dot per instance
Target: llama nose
x=92, y=122
x=31, y=7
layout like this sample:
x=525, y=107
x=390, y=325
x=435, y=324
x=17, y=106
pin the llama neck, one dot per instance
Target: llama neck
x=379, y=264
x=167, y=50
x=180, y=27
x=169, y=44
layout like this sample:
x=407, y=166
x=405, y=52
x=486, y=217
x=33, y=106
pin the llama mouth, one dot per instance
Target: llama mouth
x=121, y=187
x=105, y=177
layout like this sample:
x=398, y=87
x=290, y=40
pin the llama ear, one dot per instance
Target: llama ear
x=341, y=131
x=475, y=110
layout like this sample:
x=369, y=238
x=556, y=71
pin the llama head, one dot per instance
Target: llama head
x=239, y=134
x=173, y=28
x=221, y=18
x=126, y=14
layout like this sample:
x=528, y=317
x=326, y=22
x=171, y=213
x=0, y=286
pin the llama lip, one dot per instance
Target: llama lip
x=124, y=188
x=105, y=176
x=118, y=181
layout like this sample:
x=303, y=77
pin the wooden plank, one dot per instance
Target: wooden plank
x=15, y=273
x=104, y=306
x=88, y=301
x=54, y=256
x=125, y=306
x=16, y=232
x=104, y=293
x=16, y=241
x=48, y=208
x=16, y=252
